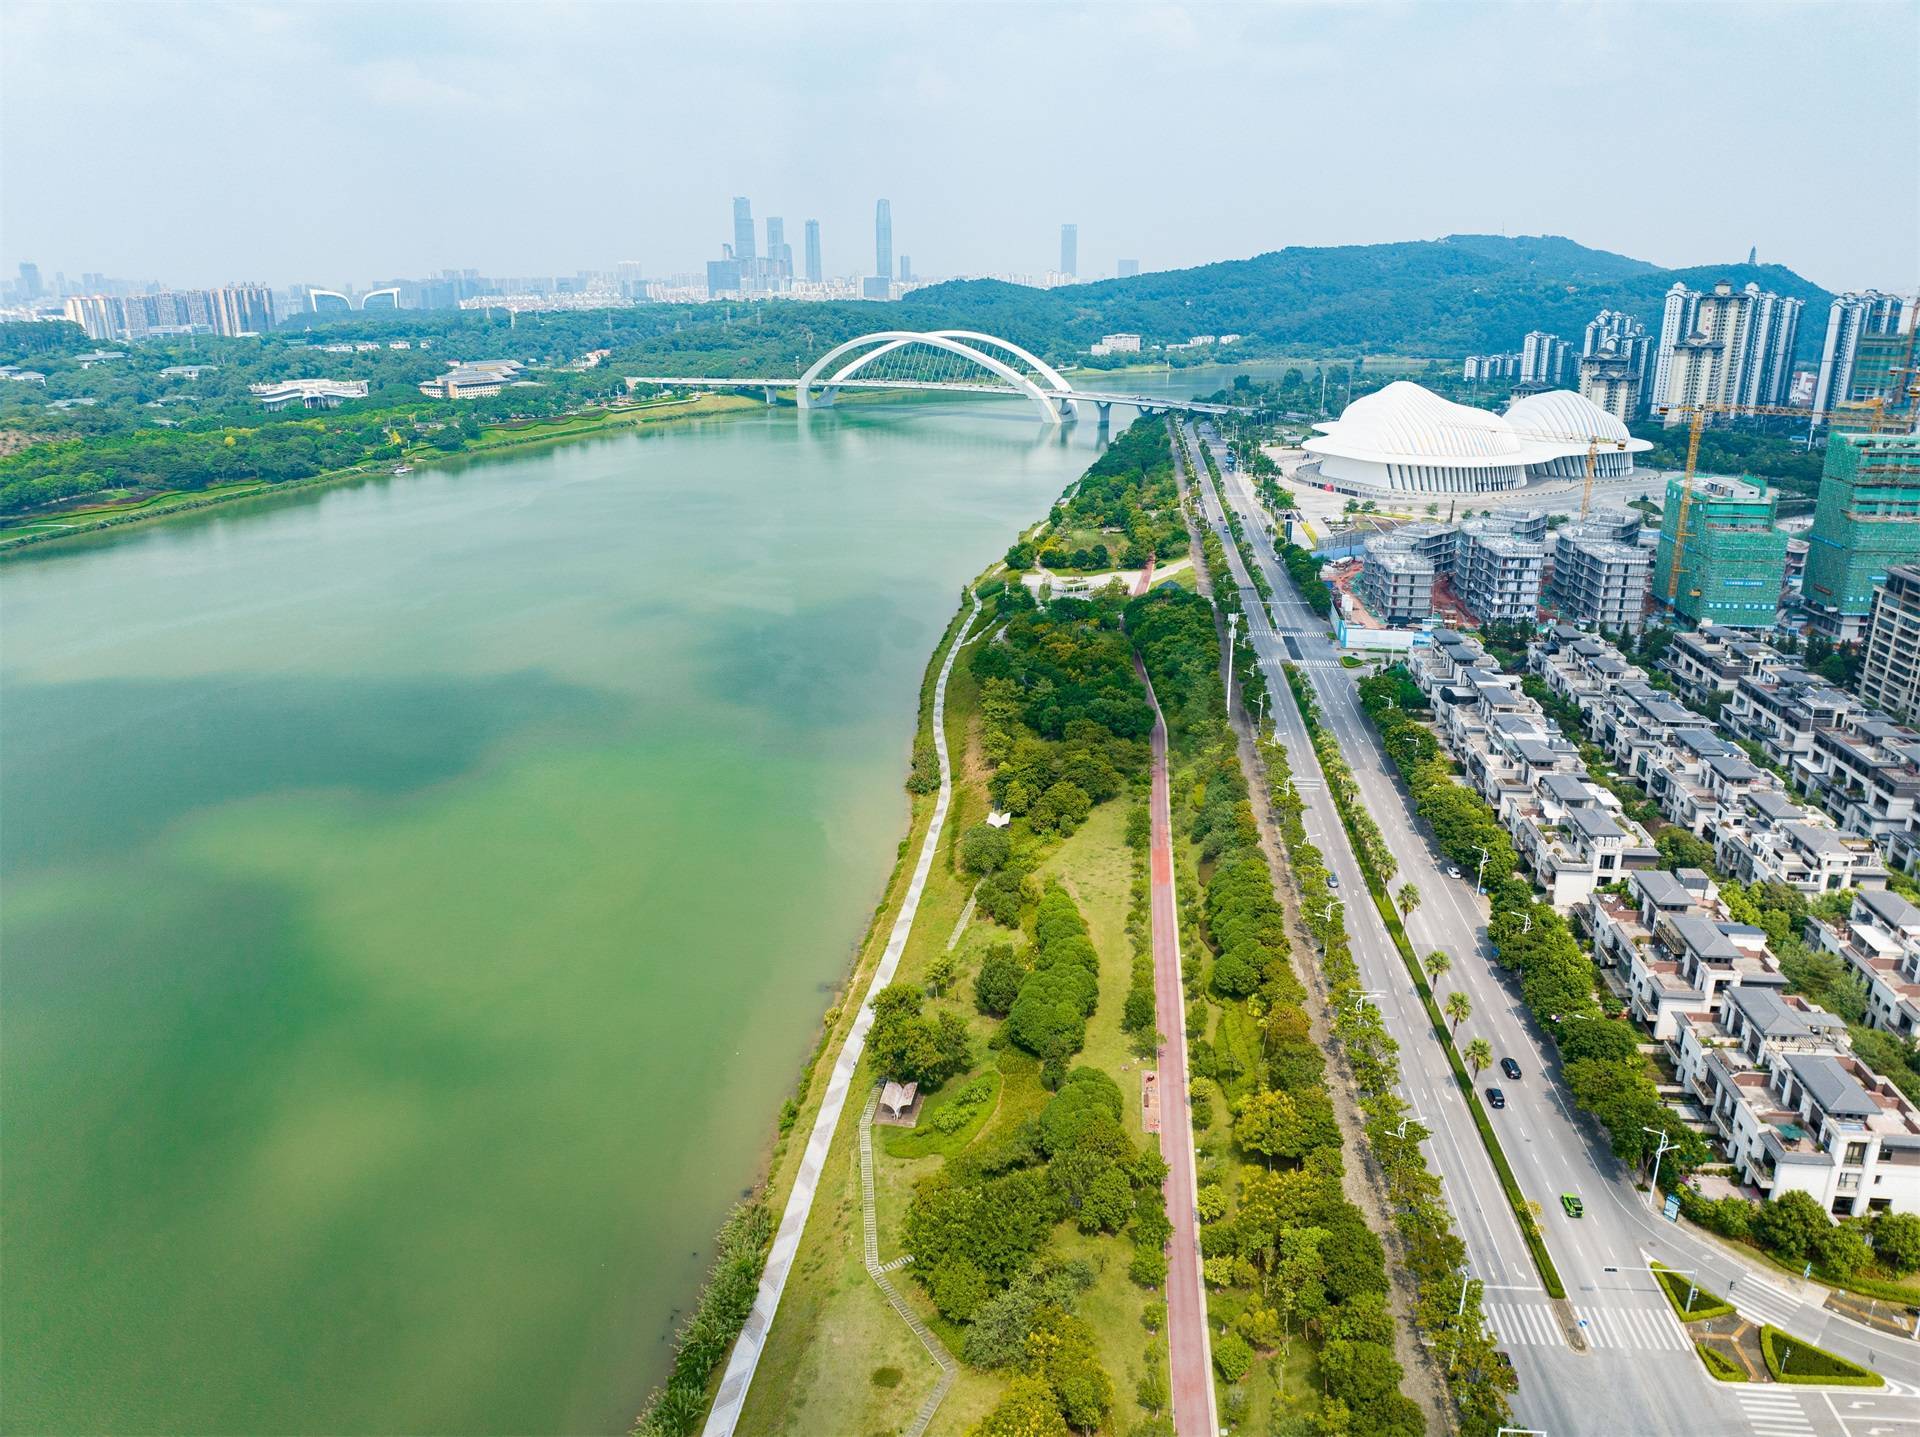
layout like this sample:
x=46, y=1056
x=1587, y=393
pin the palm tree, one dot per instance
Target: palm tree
x=1479, y=1053
x=1459, y=1008
x=1408, y=898
x=1436, y=965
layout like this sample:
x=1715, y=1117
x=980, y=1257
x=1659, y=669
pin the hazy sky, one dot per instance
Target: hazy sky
x=338, y=143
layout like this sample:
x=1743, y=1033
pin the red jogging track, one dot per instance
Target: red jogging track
x=1187, y=1346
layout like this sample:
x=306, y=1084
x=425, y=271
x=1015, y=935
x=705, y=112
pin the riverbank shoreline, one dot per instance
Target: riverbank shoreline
x=501, y=439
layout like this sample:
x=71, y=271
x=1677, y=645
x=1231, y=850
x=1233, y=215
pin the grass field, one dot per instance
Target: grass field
x=839, y=1360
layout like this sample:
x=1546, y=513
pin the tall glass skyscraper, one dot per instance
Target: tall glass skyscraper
x=742, y=228
x=813, y=251
x=779, y=257
x=883, y=240
x=1070, y=249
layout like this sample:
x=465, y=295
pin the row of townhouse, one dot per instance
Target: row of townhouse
x=1794, y=1109
x=1571, y=835
x=1701, y=780
x=1773, y=1076
x=1879, y=941
x=1863, y=769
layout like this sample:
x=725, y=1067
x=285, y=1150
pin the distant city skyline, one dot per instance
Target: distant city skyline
x=748, y=102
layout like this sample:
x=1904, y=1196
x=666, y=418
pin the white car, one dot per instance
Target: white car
x=1453, y=871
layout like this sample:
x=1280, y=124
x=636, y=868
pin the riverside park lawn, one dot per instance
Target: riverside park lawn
x=839, y=1359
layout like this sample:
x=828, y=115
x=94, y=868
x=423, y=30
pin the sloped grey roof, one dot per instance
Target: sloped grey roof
x=1837, y=1091
x=1663, y=888
x=1888, y=906
x=1768, y=1012
x=1595, y=823
x=1703, y=936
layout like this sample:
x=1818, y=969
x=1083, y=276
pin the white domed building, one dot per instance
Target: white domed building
x=1567, y=422
x=1408, y=439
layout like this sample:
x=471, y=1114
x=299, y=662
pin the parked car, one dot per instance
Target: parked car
x=1572, y=1204
x=1496, y=1098
x=1453, y=871
x=1333, y=880
x=1510, y=1068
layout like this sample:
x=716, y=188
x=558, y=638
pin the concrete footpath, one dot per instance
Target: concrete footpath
x=793, y=1221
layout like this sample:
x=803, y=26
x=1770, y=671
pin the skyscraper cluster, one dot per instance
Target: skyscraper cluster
x=745, y=268
x=1616, y=360
x=1724, y=349
x=231, y=310
x=1854, y=322
x=1543, y=359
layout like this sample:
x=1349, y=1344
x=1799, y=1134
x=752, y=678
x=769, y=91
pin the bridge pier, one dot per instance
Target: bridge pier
x=767, y=393
x=1106, y=415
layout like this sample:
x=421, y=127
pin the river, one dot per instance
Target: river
x=420, y=896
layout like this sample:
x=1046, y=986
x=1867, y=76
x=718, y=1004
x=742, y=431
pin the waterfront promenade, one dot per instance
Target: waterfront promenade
x=745, y=1357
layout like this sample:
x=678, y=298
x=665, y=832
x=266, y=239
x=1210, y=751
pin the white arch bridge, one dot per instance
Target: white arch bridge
x=937, y=360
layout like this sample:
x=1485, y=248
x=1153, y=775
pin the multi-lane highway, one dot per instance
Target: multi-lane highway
x=1610, y=1359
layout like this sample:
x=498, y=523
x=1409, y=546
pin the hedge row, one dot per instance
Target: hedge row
x=1345, y=798
x=1477, y=1374
x=1790, y=1359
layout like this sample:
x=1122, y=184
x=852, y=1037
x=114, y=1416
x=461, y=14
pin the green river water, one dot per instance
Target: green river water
x=419, y=897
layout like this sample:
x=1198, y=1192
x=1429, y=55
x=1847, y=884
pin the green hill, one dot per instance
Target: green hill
x=1459, y=295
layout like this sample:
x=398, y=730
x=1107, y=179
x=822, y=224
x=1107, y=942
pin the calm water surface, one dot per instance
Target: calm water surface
x=420, y=896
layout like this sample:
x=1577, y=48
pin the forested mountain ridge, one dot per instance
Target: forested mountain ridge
x=1464, y=294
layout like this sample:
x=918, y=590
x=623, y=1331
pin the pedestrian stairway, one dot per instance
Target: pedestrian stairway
x=949, y=1369
x=1774, y=1411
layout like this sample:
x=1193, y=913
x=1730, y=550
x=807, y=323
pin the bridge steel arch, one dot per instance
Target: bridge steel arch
x=887, y=340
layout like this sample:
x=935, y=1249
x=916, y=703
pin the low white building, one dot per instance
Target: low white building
x=308, y=393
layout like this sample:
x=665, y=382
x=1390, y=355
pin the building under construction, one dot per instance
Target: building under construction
x=1865, y=521
x=1731, y=561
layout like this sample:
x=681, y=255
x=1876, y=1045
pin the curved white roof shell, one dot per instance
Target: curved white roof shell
x=1406, y=422
x=1562, y=417
x=1407, y=437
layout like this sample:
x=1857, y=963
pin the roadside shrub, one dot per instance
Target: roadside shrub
x=1232, y=1356
x=1719, y=1366
x=1843, y=1250
x=1148, y=1268
x=1790, y=1225
x=1896, y=1241
x=1791, y=1359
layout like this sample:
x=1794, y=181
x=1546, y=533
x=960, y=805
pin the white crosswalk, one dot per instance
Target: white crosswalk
x=1774, y=1412
x=1764, y=1302
x=1644, y=1329
x=1524, y=1324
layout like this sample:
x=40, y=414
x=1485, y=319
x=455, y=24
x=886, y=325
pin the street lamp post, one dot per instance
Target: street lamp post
x=1666, y=1142
x=1233, y=624
x=1480, y=873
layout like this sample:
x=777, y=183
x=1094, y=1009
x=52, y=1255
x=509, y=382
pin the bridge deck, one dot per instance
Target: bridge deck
x=735, y=381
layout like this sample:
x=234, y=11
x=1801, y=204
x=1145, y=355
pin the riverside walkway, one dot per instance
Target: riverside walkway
x=745, y=1357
